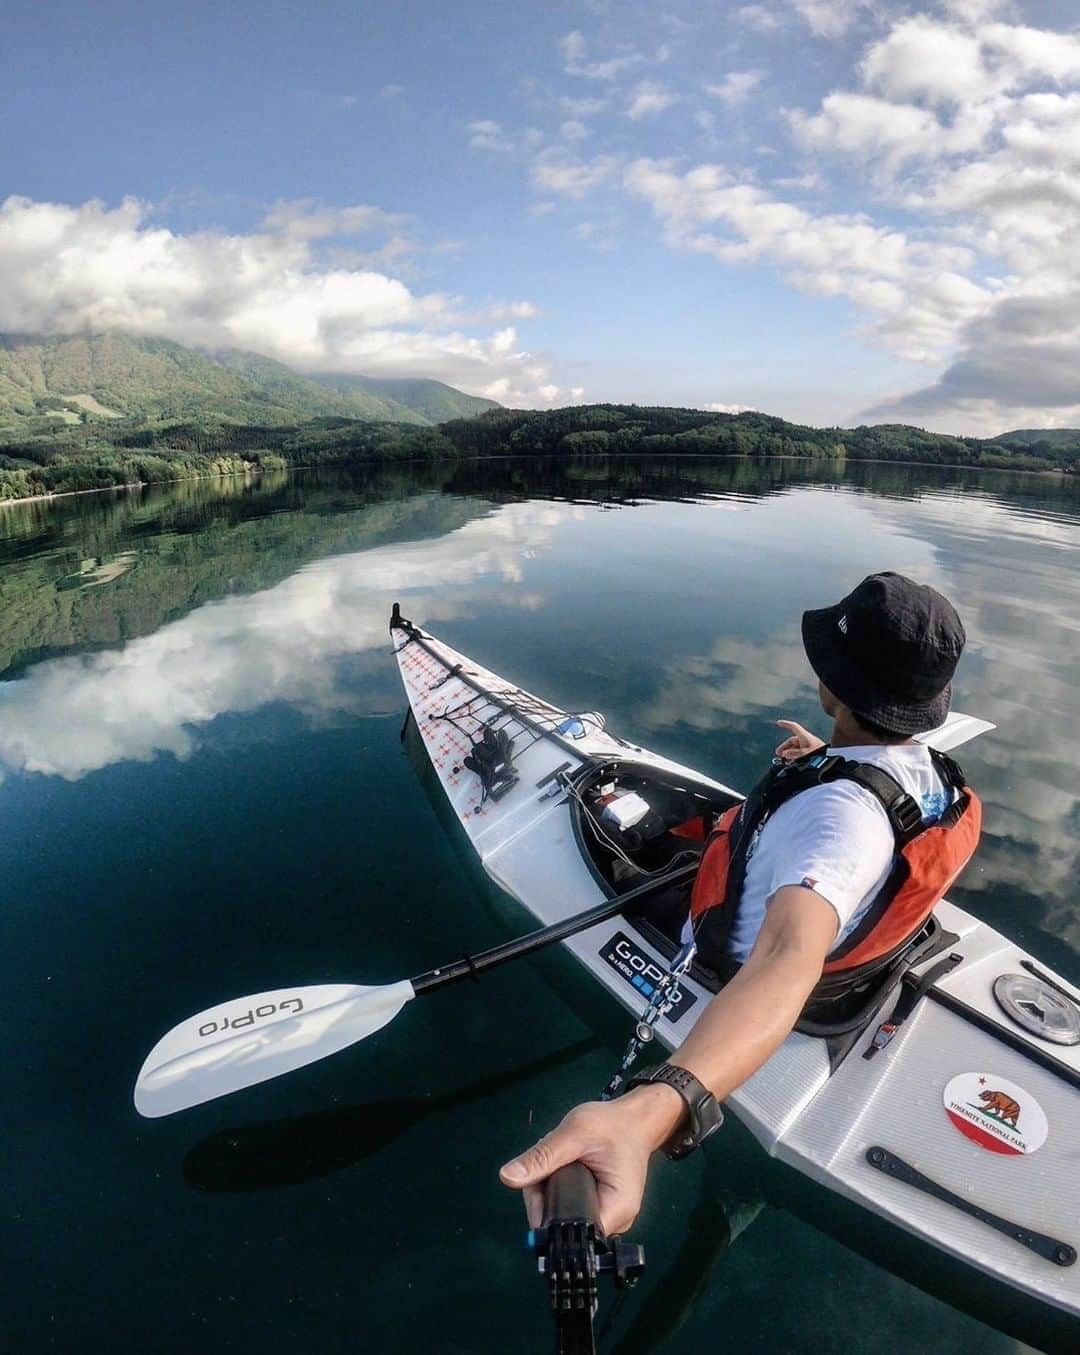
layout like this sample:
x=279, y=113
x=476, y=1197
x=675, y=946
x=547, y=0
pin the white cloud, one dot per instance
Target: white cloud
x=946, y=63
x=574, y=51
x=648, y=99
x=391, y=91
x=972, y=127
x=716, y=407
x=487, y=135
x=893, y=133
x=392, y=253
x=735, y=88
x=914, y=290
x=556, y=172
x=508, y=310
x=810, y=182
x=1016, y=368
x=573, y=131
x=611, y=68
x=66, y=269
x=975, y=11
x=759, y=17
x=829, y=18
x=302, y=218
x=572, y=47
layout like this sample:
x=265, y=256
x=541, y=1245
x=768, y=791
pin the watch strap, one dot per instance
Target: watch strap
x=704, y=1115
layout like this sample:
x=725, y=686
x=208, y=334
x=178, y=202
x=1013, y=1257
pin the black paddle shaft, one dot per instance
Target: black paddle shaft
x=472, y=966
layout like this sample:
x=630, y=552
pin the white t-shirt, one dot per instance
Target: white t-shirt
x=836, y=840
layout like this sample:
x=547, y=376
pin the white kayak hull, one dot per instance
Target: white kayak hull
x=822, y=1121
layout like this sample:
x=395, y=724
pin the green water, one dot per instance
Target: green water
x=203, y=794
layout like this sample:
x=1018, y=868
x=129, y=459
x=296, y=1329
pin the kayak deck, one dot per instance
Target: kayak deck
x=820, y=1116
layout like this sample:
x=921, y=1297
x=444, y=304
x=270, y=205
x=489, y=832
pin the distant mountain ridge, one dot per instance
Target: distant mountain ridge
x=432, y=399
x=99, y=412
x=1033, y=437
x=69, y=379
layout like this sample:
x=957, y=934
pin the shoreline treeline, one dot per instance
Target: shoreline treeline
x=98, y=454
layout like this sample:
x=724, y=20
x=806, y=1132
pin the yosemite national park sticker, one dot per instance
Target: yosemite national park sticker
x=995, y=1113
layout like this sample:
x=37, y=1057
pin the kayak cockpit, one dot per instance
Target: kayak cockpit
x=633, y=822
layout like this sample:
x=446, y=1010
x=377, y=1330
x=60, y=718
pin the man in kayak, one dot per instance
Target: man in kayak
x=884, y=657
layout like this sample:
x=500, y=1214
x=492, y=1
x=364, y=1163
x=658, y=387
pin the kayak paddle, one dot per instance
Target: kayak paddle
x=253, y=1039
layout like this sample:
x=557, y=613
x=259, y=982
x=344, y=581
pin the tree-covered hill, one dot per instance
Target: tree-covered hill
x=1036, y=438
x=99, y=452
x=434, y=400
x=639, y=428
x=48, y=383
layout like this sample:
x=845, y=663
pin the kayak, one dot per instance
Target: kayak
x=943, y=1095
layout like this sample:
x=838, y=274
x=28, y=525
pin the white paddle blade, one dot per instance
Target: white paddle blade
x=255, y=1038
x=956, y=730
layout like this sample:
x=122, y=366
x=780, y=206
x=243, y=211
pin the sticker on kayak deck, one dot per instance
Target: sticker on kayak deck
x=995, y=1113
x=639, y=968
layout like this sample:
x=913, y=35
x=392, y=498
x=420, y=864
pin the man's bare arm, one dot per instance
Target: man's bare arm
x=741, y=1027
x=750, y=1017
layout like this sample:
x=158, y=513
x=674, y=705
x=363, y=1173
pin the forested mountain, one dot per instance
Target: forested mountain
x=434, y=400
x=1055, y=438
x=49, y=382
x=638, y=428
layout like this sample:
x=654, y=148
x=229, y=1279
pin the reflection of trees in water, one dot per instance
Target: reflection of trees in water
x=622, y=479
x=193, y=543
x=201, y=540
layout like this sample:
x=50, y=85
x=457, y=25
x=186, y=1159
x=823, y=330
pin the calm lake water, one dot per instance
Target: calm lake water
x=203, y=794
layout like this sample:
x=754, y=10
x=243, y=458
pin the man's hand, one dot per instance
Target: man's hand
x=799, y=744
x=614, y=1140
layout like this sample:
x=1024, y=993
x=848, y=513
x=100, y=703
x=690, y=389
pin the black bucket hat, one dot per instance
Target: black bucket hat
x=888, y=652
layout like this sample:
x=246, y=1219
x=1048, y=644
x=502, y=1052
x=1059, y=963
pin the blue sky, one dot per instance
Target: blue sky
x=833, y=210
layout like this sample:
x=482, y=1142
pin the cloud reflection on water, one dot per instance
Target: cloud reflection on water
x=317, y=642
x=1011, y=572
x=296, y=642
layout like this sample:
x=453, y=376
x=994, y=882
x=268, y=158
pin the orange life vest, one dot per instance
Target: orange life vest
x=928, y=859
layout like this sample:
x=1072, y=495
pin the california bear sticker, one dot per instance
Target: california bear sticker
x=995, y=1113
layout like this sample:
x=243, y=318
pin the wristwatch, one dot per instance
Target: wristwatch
x=705, y=1116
